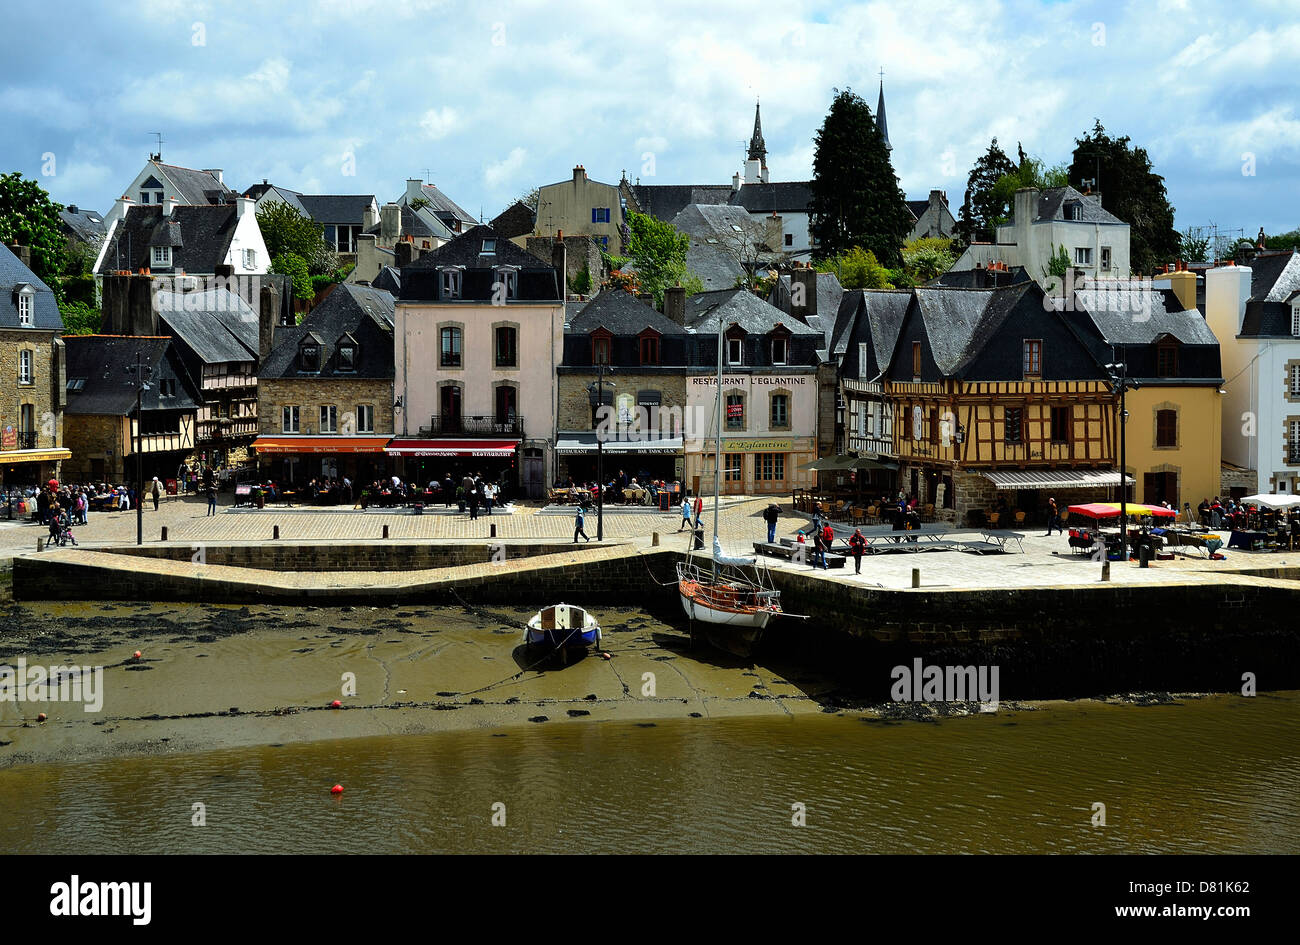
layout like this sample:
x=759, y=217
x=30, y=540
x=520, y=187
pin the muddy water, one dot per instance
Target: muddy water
x=227, y=708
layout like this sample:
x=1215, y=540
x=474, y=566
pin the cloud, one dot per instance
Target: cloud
x=439, y=122
x=501, y=173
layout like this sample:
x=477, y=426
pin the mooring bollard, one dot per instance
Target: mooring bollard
x=385, y=531
x=1105, y=570
x=654, y=539
x=40, y=544
x=275, y=532
x=916, y=577
x=164, y=533
x=492, y=533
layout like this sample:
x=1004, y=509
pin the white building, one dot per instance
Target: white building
x=1254, y=311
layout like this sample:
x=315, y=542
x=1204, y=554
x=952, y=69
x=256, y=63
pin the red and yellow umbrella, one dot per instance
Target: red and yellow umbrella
x=1100, y=510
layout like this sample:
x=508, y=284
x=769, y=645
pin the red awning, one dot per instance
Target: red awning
x=489, y=448
x=321, y=444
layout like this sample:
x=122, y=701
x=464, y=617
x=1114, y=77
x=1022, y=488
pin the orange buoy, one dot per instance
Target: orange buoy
x=336, y=704
x=605, y=656
x=336, y=789
x=41, y=717
x=137, y=654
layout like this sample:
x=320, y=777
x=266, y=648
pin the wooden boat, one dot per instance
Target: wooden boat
x=563, y=627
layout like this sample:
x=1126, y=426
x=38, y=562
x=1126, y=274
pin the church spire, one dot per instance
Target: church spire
x=880, y=114
x=757, y=149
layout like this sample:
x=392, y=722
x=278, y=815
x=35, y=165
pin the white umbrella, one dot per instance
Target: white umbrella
x=1272, y=501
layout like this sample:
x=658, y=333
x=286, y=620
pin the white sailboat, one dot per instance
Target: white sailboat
x=731, y=598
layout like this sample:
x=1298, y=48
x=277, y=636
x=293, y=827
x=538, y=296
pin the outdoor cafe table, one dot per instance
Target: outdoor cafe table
x=1246, y=539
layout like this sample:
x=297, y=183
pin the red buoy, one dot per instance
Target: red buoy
x=336, y=704
x=41, y=717
x=336, y=789
x=137, y=654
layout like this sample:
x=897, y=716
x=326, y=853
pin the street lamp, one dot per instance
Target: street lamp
x=139, y=374
x=600, y=452
x=1122, y=382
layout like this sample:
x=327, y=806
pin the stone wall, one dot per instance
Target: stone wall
x=575, y=402
x=578, y=250
x=310, y=394
x=46, y=394
x=377, y=555
x=92, y=437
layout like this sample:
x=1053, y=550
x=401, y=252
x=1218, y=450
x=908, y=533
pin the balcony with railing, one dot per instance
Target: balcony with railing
x=26, y=439
x=454, y=425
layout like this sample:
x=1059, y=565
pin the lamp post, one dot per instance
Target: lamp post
x=600, y=452
x=1122, y=382
x=139, y=372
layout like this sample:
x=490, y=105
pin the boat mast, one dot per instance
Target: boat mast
x=717, y=450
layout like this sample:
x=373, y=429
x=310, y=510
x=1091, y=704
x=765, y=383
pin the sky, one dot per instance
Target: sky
x=489, y=99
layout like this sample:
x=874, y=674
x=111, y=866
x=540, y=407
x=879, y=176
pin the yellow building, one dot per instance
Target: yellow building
x=581, y=207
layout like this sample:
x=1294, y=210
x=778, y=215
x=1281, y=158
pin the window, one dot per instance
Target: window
x=25, y=367
x=1073, y=211
x=1295, y=321
x=509, y=280
x=1293, y=441
x=1105, y=258
x=289, y=420
x=1166, y=429
x=600, y=214
x=309, y=358
x=769, y=467
x=733, y=466
x=25, y=297
x=329, y=419
x=780, y=411
x=507, y=403
x=451, y=283
x=600, y=349
x=507, y=354
x=778, y=350
x=1295, y=380
x=345, y=240
x=365, y=418
x=1032, y=361
x=162, y=256
x=449, y=399
x=250, y=259
x=451, y=348
x=649, y=349
x=1167, y=359
x=789, y=239
x=1083, y=255
x=489, y=247
x=1061, y=424
x=1013, y=424
x=916, y=360
x=735, y=411
x=935, y=429
x=347, y=357
x=735, y=351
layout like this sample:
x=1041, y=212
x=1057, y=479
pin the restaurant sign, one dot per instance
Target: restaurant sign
x=9, y=438
x=757, y=446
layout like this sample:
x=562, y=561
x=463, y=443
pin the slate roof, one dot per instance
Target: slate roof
x=467, y=250
x=515, y=220
x=194, y=187
x=45, y=310
x=443, y=207
x=959, y=321
x=203, y=241
x=775, y=197
x=742, y=308
x=829, y=295
x=85, y=225
x=1274, y=276
x=363, y=312
x=1051, y=206
x=981, y=278
x=389, y=279
x=665, y=201
x=918, y=207
x=216, y=324
x=877, y=315
x=1135, y=318
x=348, y=209
x=621, y=313
x=291, y=197
x=100, y=361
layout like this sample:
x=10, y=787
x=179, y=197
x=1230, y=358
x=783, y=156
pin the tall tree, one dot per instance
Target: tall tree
x=30, y=218
x=287, y=232
x=856, y=200
x=983, y=207
x=658, y=251
x=1132, y=191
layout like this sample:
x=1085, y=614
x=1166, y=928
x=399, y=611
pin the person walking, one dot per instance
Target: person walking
x=473, y=502
x=577, y=526
x=1053, y=518
x=155, y=490
x=699, y=510
x=489, y=496
x=857, y=545
x=770, y=515
x=819, y=551
x=212, y=498
x=686, y=514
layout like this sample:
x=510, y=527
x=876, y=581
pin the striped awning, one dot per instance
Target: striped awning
x=1054, y=478
x=34, y=456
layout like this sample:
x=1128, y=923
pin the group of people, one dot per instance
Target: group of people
x=615, y=489
x=823, y=538
x=1222, y=513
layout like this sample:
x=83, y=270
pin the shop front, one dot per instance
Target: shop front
x=424, y=460
x=22, y=468
x=753, y=465
x=296, y=460
x=645, y=459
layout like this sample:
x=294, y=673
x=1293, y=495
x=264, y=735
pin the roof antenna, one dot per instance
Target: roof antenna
x=158, y=155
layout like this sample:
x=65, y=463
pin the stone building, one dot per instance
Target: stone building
x=325, y=391
x=32, y=393
x=581, y=207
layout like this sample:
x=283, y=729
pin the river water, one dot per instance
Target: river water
x=1215, y=774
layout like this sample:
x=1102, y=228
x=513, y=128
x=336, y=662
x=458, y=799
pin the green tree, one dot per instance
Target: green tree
x=857, y=269
x=925, y=258
x=1287, y=240
x=287, y=231
x=856, y=200
x=1132, y=191
x=293, y=266
x=658, y=251
x=29, y=217
x=1193, y=245
x=1031, y=172
x=1057, y=266
x=80, y=318
x=982, y=207
x=580, y=284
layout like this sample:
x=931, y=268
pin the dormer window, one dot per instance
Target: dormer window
x=735, y=350
x=600, y=345
x=1167, y=359
x=309, y=358
x=780, y=349
x=509, y=278
x=347, y=350
x=1074, y=211
x=649, y=345
x=451, y=283
x=489, y=247
x=1295, y=320
x=162, y=256
x=26, y=299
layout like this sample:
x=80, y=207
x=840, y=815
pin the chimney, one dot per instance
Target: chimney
x=141, y=316
x=390, y=225
x=114, y=303
x=24, y=253
x=168, y=206
x=243, y=205
x=268, y=315
x=120, y=206
x=559, y=260
x=938, y=199
x=579, y=174
x=735, y=181
x=675, y=305
x=1026, y=207
x=1183, y=284
x=404, y=252
x=223, y=271
x=774, y=237
x=803, y=293
x=1227, y=290
x=72, y=208
x=369, y=217
x=215, y=172
x=414, y=189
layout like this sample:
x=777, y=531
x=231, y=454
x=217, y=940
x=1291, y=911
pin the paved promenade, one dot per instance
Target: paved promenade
x=1044, y=562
